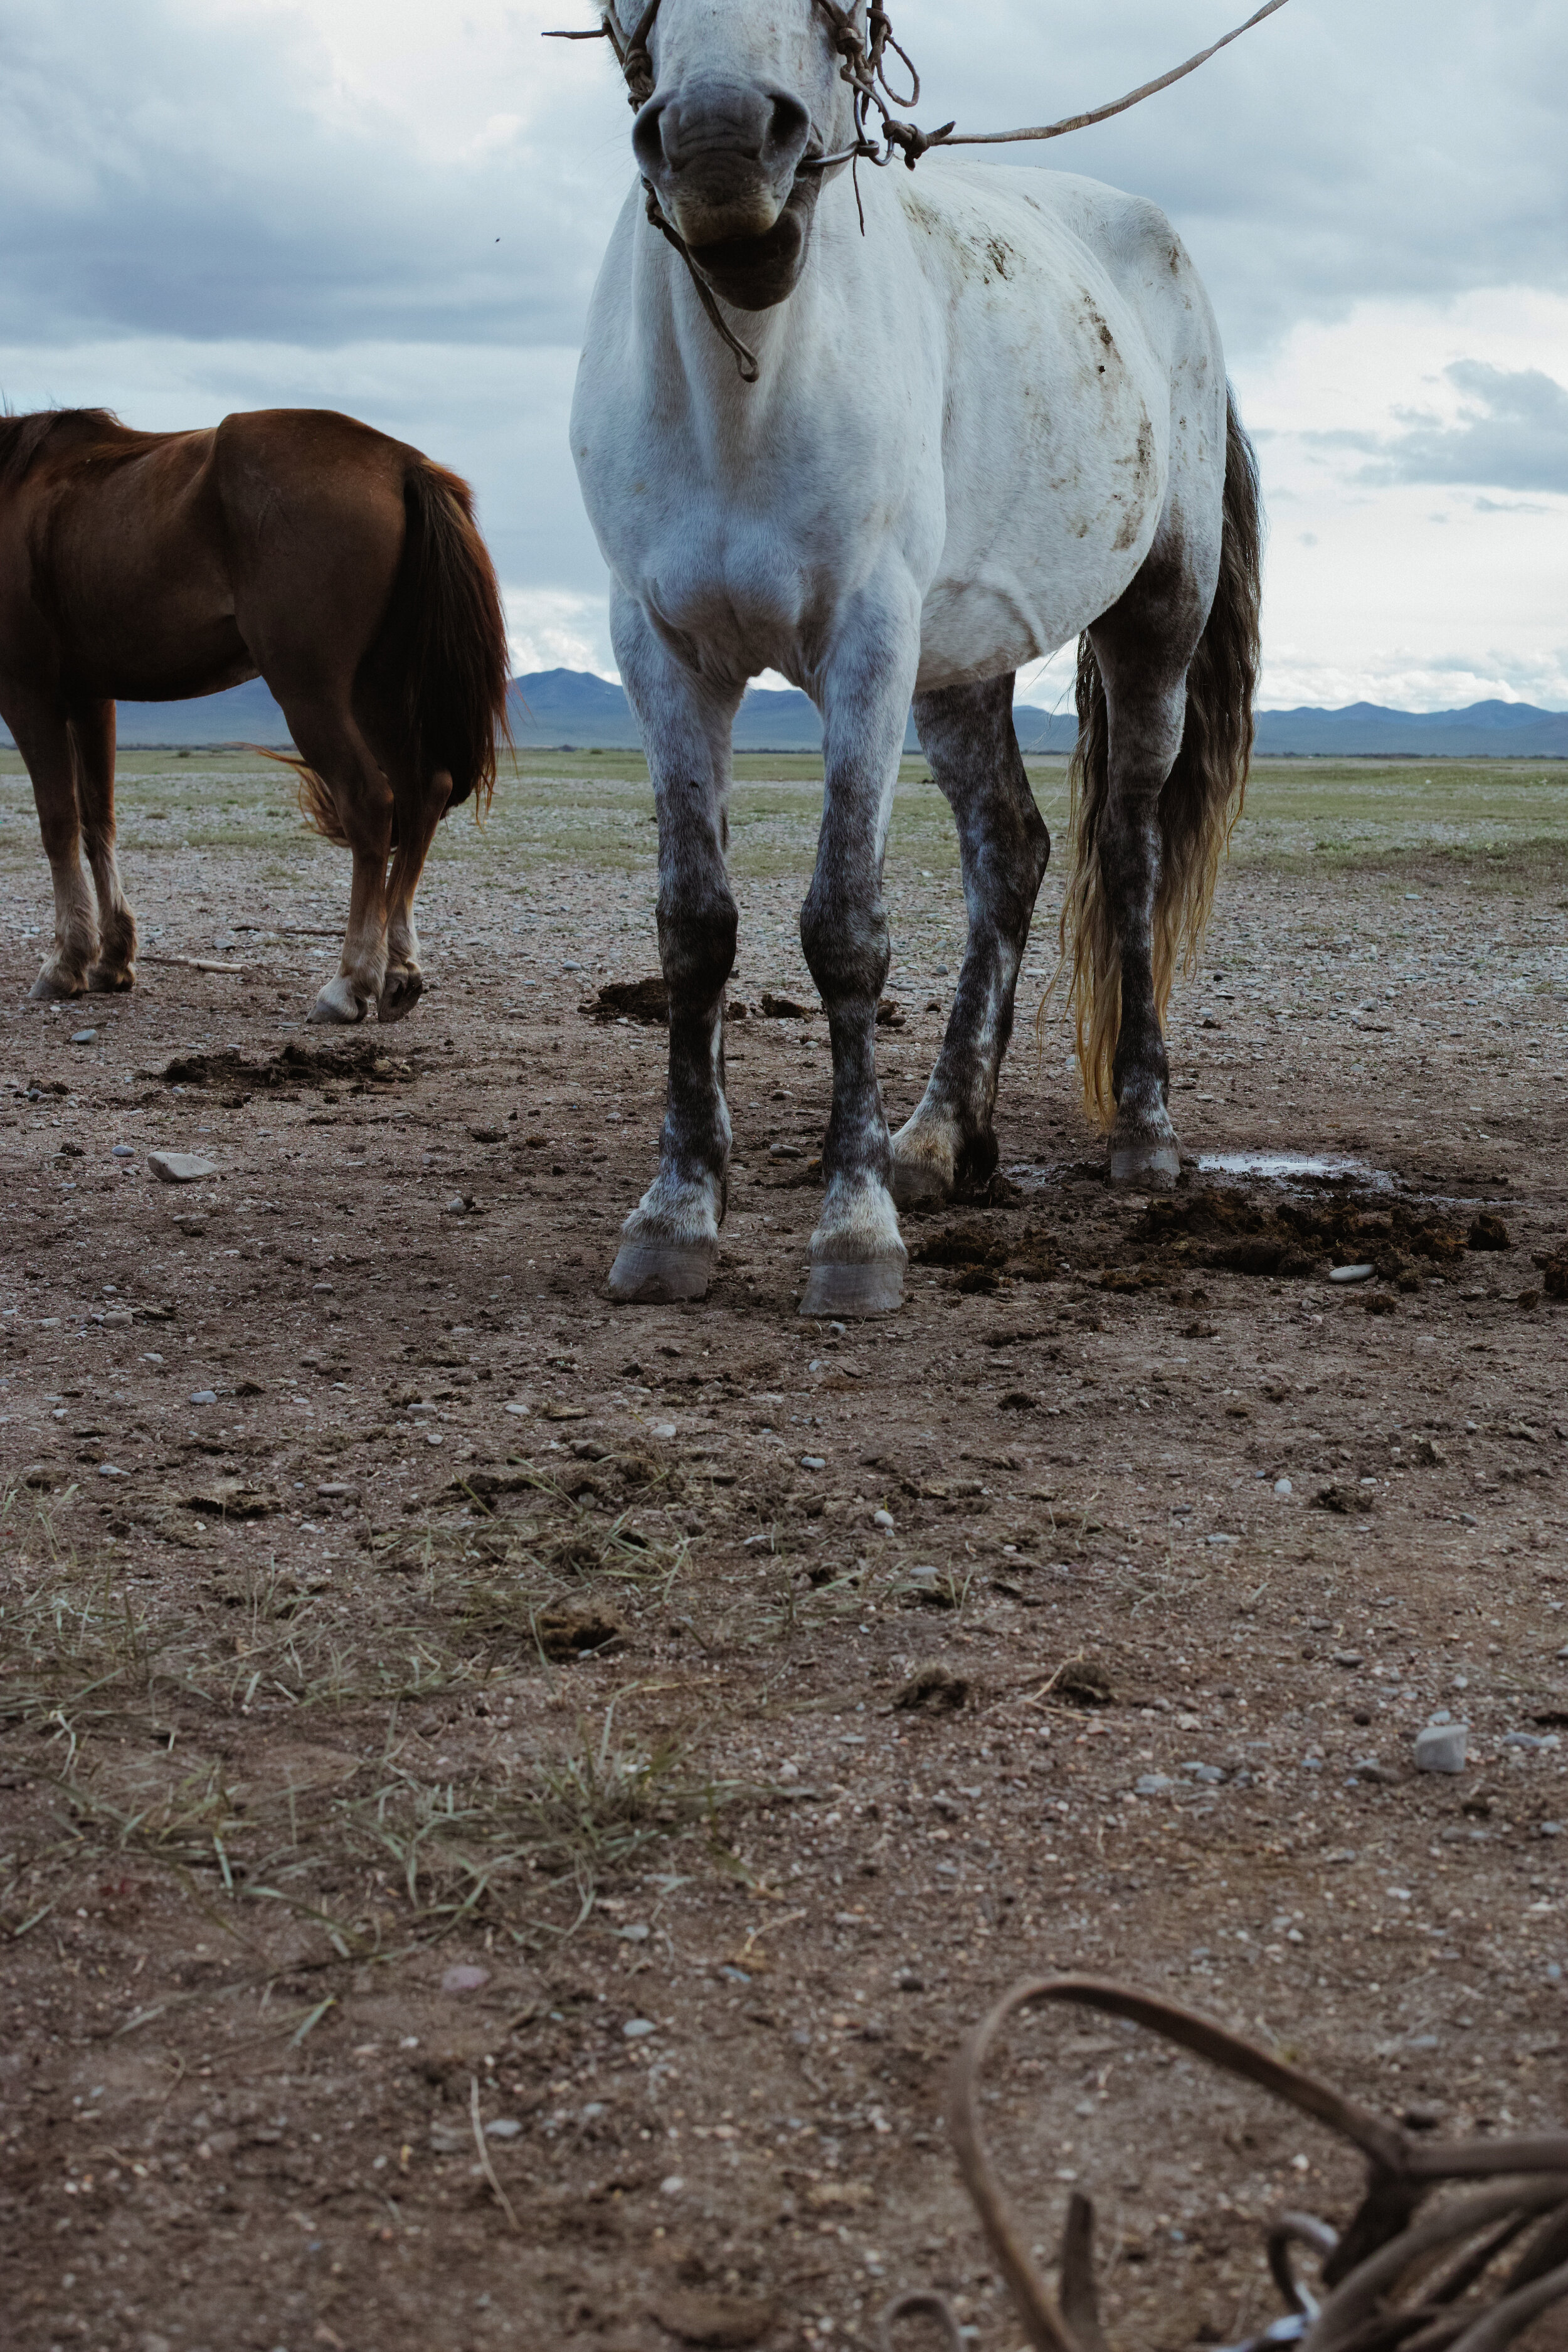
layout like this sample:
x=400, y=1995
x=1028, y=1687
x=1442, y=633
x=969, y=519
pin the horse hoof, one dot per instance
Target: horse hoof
x=874, y=1290
x=49, y=988
x=917, y=1185
x=337, y=1003
x=103, y=982
x=401, y=993
x=657, y=1273
x=1153, y=1164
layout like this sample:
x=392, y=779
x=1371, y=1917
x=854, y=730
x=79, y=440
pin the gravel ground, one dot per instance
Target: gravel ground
x=432, y=1700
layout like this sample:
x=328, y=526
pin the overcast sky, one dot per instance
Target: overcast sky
x=397, y=208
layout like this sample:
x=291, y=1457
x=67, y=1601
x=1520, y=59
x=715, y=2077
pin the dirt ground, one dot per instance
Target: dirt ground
x=508, y=1805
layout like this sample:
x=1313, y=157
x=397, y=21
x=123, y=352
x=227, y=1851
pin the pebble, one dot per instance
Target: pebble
x=1152, y=1784
x=464, y=1976
x=638, y=2028
x=883, y=1519
x=107, y=1470
x=812, y=1461
x=661, y=1428
x=203, y=1396
x=1441, y=1747
x=1352, y=1273
x=124, y=1152
x=503, y=2127
x=522, y=1411
x=671, y=2185
x=83, y=1036
x=179, y=1167
x=1532, y=1741
x=1283, y=1487
x=1210, y=1773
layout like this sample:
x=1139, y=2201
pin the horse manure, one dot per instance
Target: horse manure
x=565, y=1633
x=1083, y=1683
x=645, y=1001
x=1489, y=1233
x=784, y=1008
x=932, y=1690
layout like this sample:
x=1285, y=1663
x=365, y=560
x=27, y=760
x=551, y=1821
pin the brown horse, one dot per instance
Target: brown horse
x=293, y=544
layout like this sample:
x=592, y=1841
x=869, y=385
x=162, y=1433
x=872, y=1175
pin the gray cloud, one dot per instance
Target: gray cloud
x=1512, y=434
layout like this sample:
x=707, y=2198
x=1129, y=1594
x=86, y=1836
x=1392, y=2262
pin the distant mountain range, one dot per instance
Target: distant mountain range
x=555, y=708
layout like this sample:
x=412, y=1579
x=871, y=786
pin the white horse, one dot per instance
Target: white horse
x=993, y=419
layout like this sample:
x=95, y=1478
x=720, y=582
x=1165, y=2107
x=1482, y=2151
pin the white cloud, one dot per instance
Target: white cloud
x=551, y=629
x=373, y=204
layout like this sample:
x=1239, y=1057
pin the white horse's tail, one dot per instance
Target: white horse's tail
x=1202, y=798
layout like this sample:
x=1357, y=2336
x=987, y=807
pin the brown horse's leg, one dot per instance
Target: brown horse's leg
x=44, y=740
x=92, y=733
x=329, y=741
x=419, y=814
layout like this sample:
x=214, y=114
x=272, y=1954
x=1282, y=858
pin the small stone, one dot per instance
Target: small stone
x=522, y=1411
x=638, y=2028
x=671, y=2185
x=812, y=1461
x=336, y=1490
x=203, y=1396
x=1550, y=1829
x=503, y=2127
x=179, y=1168
x=1348, y=1659
x=1353, y=1273
x=1441, y=1747
x=1210, y=1774
x=107, y=1470
x=1154, y=1784
x=83, y=1036
x=124, y=1152
x=1283, y=1487
x=464, y=1976
x=321, y=1289
x=883, y=1519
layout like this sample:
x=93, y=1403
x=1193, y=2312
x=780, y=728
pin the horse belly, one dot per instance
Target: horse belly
x=150, y=602
x=1055, y=451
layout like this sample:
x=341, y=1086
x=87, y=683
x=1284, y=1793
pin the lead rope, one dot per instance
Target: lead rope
x=864, y=70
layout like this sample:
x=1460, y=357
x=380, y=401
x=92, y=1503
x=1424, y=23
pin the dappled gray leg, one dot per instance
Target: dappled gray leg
x=967, y=735
x=858, y=1256
x=669, y=1246
x=1145, y=720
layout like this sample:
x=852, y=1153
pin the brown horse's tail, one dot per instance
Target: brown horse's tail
x=437, y=674
x=1201, y=799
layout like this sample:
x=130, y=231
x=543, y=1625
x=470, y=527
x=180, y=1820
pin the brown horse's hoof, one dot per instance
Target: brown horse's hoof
x=874, y=1290
x=400, y=992
x=338, y=1005
x=50, y=987
x=104, y=982
x=657, y=1273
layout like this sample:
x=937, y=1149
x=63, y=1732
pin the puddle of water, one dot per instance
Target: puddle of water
x=1294, y=1168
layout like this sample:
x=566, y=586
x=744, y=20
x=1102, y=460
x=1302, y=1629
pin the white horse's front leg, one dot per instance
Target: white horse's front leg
x=669, y=1246
x=857, y=1258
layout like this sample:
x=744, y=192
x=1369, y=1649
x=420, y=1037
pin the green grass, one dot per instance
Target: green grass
x=1505, y=819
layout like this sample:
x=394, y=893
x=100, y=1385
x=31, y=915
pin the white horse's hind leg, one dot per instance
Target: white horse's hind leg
x=858, y=1256
x=967, y=735
x=670, y=1243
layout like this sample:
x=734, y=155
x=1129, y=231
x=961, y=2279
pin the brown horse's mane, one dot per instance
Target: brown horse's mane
x=22, y=437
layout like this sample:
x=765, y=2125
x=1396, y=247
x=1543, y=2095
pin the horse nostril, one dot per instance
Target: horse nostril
x=647, y=135
x=790, y=125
